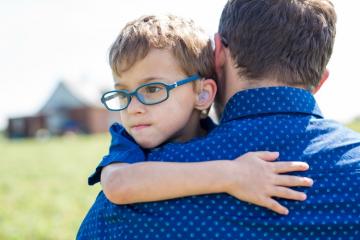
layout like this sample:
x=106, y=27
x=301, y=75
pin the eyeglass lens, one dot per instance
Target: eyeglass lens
x=152, y=93
x=116, y=100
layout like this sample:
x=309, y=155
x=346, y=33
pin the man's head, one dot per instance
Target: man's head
x=287, y=41
x=165, y=49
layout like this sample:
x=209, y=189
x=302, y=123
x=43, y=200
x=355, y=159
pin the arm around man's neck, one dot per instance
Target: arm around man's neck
x=251, y=178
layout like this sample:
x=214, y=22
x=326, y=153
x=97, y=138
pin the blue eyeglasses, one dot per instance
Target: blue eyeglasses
x=147, y=94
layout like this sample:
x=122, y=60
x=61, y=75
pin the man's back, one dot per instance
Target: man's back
x=277, y=119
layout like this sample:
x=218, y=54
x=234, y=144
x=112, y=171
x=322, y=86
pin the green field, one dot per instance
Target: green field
x=43, y=188
x=355, y=125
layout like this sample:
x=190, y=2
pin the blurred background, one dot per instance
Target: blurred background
x=53, y=70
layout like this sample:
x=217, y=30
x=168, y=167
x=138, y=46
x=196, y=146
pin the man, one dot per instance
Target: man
x=270, y=57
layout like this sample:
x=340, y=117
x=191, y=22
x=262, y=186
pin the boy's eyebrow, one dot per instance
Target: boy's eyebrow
x=149, y=79
x=118, y=84
x=145, y=80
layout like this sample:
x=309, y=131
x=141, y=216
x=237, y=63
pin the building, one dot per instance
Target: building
x=72, y=107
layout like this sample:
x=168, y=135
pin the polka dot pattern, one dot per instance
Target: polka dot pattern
x=277, y=119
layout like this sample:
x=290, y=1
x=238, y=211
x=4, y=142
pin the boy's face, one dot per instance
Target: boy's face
x=171, y=120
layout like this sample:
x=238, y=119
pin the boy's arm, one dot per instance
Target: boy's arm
x=251, y=178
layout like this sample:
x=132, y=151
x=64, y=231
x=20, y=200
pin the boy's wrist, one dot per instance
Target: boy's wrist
x=225, y=176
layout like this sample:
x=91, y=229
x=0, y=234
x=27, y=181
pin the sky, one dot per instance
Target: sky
x=43, y=41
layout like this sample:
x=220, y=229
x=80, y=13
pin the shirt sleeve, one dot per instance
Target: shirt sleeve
x=123, y=149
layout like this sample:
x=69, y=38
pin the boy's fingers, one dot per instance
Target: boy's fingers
x=287, y=193
x=276, y=206
x=293, y=181
x=266, y=155
x=283, y=167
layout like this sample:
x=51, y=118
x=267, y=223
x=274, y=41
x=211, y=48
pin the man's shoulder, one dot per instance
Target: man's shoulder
x=339, y=131
x=217, y=144
x=339, y=136
x=331, y=146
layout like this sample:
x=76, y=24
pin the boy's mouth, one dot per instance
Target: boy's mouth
x=139, y=127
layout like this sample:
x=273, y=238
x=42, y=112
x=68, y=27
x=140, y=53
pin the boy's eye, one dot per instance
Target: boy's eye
x=122, y=95
x=153, y=89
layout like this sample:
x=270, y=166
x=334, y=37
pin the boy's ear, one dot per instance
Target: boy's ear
x=206, y=95
x=324, y=77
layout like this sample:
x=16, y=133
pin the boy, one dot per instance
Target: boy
x=163, y=70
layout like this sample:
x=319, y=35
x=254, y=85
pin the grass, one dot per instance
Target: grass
x=43, y=185
x=355, y=125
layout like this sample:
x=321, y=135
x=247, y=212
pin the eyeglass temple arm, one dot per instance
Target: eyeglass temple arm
x=184, y=81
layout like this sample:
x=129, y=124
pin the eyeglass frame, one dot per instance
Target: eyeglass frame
x=129, y=96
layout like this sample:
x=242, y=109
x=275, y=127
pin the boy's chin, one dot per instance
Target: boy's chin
x=148, y=144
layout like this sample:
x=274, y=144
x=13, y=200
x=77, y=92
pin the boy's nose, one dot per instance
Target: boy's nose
x=135, y=106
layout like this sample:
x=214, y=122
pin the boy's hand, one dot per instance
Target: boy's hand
x=256, y=179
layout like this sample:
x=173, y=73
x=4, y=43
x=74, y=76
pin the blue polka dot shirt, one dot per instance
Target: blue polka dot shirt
x=280, y=119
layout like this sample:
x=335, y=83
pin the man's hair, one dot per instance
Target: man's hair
x=188, y=43
x=289, y=40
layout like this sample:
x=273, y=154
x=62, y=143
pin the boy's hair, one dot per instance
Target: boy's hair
x=188, y=43
x=290, y=40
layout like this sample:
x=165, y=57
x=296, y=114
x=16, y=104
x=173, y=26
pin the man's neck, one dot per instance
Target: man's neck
x=236, y=83
x=230, y=81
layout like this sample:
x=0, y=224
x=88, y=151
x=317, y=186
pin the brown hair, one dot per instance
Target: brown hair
x=291, y=40
x=189, y=44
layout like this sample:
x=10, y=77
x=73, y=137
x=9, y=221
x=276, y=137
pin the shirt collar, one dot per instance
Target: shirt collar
x=270, y=100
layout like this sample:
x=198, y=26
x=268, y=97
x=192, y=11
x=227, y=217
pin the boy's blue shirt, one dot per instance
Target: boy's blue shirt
x=124, y=149
x=280, y=119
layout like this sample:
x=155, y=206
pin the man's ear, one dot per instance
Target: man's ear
x=206, y=94
x=324, y=77
x=219, y=54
